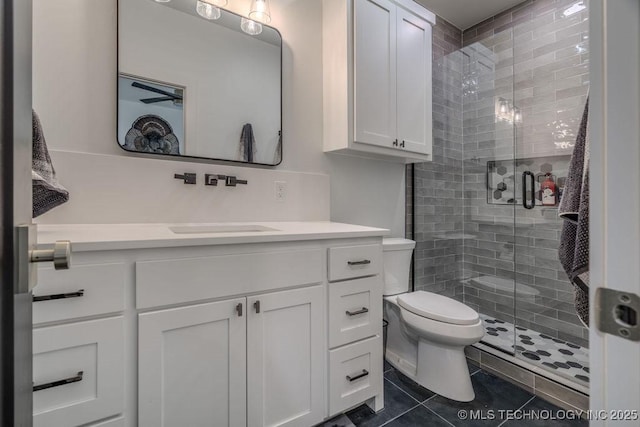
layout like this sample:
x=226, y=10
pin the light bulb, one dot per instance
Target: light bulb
x=517, y=116
x=503, y=107
x=260, y=11
x=207, y=10
x=250, y=27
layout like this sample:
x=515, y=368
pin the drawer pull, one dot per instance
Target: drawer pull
x=58, y=383
x=357, y=377
x=355, y=313
x=58, y=296
x=239, y=309
x=363, y=262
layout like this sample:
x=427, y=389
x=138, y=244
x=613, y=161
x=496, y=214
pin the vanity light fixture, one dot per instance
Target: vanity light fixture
x=260, y=11
x=250, y=27
x=162, y=1
x=208, y=8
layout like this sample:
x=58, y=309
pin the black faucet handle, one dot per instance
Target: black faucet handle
x=232, y=181
x=188, y=178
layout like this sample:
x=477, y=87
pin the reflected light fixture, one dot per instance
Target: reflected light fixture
x=574, y=8
x=207, y=10
x=162, y=1
x=260, y=11
x=250, y=27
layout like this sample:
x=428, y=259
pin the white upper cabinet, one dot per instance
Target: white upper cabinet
x=377, y=79
x=413, y=87
x=375, y=72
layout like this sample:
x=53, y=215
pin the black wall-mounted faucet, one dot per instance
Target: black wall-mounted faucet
x=229, y=180
x=210, y=179
x=188, y=178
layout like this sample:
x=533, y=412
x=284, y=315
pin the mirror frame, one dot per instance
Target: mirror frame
x=185, y=157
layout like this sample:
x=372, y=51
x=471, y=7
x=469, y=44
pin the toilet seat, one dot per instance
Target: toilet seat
x=438, y=307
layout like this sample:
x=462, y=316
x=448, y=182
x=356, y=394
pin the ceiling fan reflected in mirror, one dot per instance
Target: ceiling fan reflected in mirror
x=176, y=97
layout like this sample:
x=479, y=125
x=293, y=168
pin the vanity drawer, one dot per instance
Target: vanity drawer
x=173, y=281
x=79, y=367
x=355, y=374
x=347, y=262
x=83, y=290
x=355, y=310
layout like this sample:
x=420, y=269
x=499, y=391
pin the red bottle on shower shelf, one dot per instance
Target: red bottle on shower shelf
x=549, y=191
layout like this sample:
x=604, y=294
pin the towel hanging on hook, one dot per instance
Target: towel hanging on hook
x=247, y=144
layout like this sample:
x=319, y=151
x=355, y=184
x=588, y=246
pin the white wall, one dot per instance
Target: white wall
x=75, y=92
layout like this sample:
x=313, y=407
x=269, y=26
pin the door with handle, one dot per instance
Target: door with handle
x=15, y=186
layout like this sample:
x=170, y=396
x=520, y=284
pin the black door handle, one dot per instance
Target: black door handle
x=532, y=192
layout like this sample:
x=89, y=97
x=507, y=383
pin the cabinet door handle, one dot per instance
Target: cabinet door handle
x=239, y=309
x=76, y=294
x=395, y=142
x=363, y=262
x=58, y=383
x=402, y=144
x=256, y=305
x=357, y=377
x=355, y=313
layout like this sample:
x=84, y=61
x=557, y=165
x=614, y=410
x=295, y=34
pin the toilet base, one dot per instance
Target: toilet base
x=444, y=371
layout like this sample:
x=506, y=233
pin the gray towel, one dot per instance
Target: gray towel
x=574, y=209
x=47, y=191
x=247, y=143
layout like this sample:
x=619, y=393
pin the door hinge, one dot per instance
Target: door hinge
x=617, y=313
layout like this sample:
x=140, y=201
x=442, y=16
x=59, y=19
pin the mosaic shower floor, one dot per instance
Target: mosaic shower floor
x=565, y=358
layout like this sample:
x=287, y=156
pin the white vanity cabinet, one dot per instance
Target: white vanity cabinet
x=192, y=365
x=78, y=359
x=254, y=361
x=377, y=79
x=286, y=356
x=230, y=335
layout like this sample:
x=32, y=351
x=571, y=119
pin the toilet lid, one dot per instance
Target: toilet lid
x=438, y=307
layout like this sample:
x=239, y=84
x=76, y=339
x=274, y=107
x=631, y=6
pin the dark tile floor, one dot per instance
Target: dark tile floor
x=408, y=404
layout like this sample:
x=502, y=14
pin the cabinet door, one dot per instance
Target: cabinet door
x=375, y=72
x=191, y=366
x=286, y=358
x=414, y=82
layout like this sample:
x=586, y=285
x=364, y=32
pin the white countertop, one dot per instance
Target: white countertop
x=100, y=237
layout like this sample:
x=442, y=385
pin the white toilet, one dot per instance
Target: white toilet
x=427, y=332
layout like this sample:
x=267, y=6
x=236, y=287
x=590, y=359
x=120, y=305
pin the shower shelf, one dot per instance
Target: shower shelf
x=504, y=186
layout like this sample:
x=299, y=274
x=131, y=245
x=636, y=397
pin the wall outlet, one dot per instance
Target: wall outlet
x=281, y=191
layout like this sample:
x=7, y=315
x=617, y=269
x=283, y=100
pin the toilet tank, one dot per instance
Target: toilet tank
x=397, y=264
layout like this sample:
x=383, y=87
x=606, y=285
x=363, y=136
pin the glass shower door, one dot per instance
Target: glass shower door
x=550, y=82
x=490, y=179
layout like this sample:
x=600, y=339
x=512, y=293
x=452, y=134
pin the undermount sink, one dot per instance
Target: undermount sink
x=220, y=228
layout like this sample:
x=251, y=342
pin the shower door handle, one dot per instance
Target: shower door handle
x=532, y=191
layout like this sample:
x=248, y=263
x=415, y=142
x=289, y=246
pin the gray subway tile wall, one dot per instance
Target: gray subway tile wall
x=439, y=216
x=535, y=56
